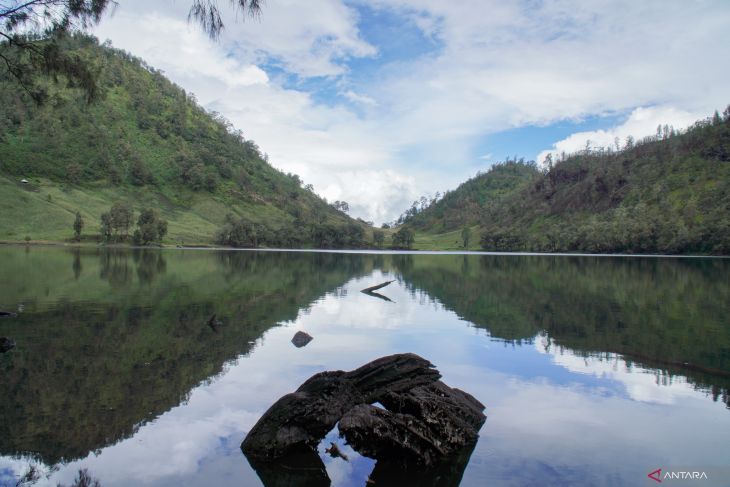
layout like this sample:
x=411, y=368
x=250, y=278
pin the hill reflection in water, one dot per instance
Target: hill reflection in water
x=116, y=370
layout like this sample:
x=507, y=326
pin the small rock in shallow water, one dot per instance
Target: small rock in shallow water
x=301, y=338
x=6, y=344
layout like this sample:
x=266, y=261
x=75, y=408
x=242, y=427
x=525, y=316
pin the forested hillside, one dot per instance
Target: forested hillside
x=465, y=205
x=147, y=142
x=668, y=193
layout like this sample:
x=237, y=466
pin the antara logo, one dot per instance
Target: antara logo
x=657, y=476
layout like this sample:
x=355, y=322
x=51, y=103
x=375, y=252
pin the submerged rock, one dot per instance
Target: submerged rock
x=335, y=452
x=424, y=420
x=301, y=339
x=6, y=344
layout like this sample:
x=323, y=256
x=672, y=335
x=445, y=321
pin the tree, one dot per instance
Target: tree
x=121, y=215
x=466, y=236
x=106, y=226
x=151, y=228
x=378, y=238
x=403, y=238
x=716, y=120
x=33, y=32
x=342, y=206
x=139, y=174
x=78, y=226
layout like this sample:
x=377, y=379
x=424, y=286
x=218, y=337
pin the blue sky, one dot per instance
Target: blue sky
x=379, y=102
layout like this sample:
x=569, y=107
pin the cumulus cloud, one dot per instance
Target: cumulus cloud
x=641, y=122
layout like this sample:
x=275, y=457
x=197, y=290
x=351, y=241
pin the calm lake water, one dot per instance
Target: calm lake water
x=593, y=370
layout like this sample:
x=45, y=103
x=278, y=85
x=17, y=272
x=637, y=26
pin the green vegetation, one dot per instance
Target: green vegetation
x=378, y=238
x=403, y=238
x=667, y=194
x=245, y=233
x=465, y=205
x=151, y=228
x=146, y=142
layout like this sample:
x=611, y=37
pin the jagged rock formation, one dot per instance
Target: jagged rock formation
x=424, y=420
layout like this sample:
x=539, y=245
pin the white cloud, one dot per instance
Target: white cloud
x=361, y=99
x=640, y=123
x=310, y=39
x=641, y=384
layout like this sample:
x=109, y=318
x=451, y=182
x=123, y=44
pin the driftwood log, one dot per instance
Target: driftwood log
x=370, y=291
x=422, y=420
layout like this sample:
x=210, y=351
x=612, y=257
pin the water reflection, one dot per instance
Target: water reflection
x=668, y=314
x=117, y=369
x=87, y=353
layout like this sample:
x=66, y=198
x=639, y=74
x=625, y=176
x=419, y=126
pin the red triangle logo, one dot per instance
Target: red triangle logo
x=656, y=475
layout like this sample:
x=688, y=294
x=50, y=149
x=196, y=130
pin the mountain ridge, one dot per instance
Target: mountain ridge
x=666, y=194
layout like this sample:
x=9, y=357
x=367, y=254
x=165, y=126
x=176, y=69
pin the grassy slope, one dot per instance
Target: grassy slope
x=25, y=210
x=446, y=240
x=195, y=168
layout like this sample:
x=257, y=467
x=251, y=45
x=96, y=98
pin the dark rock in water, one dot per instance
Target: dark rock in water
x=7, y=314
x=301, y=339
x=421, y=425
x=425, y=421
x=6, y=344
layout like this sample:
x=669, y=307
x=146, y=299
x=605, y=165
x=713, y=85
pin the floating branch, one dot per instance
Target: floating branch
x=369, y=290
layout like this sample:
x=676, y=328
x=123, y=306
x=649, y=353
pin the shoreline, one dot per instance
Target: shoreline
x=203, y=246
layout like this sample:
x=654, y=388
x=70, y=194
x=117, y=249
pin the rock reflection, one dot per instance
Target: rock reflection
x=305, y=469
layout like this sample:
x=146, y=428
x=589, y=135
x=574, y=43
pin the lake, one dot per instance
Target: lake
x=593, y=370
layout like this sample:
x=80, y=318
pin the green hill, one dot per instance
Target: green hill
x=147, y=142
x=666, y=194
